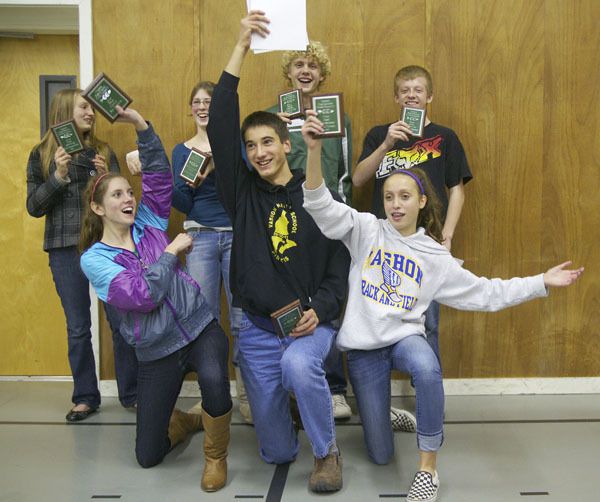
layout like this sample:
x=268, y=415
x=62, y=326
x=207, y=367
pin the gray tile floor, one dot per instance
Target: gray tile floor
x=500, y=448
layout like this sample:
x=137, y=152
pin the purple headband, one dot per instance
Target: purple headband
x=413, y=176
x=96, y=184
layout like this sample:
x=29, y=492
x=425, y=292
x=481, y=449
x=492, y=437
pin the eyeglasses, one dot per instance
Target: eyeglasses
x=198, y=102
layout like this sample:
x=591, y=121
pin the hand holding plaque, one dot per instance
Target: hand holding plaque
x=415, y=119
x=67, y=136
x=291, y=103
x=330, y=111
x=195, y=165
x=104, y=95
x=285, y=319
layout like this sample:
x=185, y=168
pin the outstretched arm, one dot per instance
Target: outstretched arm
x=559, y=277
x=254, y=22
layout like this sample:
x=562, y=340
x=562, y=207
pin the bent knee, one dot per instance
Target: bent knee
x=148, y=460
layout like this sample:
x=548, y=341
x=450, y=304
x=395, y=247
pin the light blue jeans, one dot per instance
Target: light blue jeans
x=208, y=264
x=370, y=372
x=273, y=367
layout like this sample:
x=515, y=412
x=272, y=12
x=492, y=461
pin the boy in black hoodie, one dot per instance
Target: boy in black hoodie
x=279, y=256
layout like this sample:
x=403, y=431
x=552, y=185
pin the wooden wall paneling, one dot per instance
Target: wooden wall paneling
x=151, y=53
x=393, y=36
x=486, y=59
x=34, y=337
x=523, y=103
x=571, y=199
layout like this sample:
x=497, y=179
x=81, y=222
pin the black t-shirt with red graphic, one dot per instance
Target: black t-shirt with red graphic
x=439, y=153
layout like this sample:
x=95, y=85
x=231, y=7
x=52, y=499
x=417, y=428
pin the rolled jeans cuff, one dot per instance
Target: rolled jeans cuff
x=430, y=443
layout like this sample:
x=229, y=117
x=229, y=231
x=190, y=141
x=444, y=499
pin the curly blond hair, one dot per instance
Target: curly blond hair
x=314, y=50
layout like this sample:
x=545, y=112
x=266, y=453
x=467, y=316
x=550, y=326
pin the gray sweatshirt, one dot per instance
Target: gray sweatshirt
x=393, y=278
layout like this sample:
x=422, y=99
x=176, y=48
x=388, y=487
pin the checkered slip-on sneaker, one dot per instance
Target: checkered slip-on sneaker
x=424, y=487
x=402, y=420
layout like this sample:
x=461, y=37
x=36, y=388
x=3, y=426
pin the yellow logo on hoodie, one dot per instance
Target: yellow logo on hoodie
x=283, y=225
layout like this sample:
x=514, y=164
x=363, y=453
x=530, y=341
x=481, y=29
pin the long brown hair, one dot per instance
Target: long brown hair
x=92, y=227
x=429, y=217
x=61, y=109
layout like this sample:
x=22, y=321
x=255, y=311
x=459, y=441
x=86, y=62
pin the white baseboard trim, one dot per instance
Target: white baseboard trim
x=452, y=386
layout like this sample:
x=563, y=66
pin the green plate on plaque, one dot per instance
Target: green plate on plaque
x=285, y=319
x=195, y=164
x=104, y=95
x=330, y=110
x=67, y=136
x=291, y=103
x=415, y=118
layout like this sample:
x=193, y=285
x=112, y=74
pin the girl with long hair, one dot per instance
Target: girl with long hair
x=55, y=184
x=207, y=223
x=132, y=265
x=399, y=266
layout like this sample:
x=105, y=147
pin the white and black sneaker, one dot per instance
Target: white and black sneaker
x=402, y=420
x=424, y=487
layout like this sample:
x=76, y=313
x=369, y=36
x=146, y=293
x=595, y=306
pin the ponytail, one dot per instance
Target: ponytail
x=430, y=216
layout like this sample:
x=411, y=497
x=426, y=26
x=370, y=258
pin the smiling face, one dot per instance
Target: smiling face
x=305, y=74
x=83, y=114
x=200, y=106
x=402, y=201
x=267, y=154
x=118, y=204
x=413, y=93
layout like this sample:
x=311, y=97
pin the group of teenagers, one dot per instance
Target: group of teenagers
x=271, y=218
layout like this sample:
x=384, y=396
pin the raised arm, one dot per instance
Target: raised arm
x=224, y=125
x=312, y=125
x=157, y=179
x=254, y=22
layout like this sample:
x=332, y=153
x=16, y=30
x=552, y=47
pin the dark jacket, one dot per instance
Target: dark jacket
x=60, y=202
x=278, y=254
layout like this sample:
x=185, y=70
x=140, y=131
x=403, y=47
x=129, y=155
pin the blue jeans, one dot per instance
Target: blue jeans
x=208, y=264
x=73, y=289
x=159, y=383
x=370, y=372
x=432, y=325
x=273, y=367
x=334, y=371
x=126, y=363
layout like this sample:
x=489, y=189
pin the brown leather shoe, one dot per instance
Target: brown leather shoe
x=327, y=474
x=181, y=424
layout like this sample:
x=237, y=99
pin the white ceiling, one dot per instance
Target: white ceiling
x=43, y=20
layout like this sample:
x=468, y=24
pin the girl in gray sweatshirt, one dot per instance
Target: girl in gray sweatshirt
x=398, y=267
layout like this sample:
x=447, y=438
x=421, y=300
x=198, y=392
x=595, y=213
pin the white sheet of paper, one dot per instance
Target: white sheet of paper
x=287, y=26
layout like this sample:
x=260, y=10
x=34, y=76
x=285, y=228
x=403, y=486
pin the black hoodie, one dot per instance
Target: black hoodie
x=279, y=254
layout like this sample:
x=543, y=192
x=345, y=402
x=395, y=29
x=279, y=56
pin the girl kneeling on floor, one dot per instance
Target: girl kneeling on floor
x=131, y=264
x=398, y=267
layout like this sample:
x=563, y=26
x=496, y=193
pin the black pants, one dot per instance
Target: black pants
x=159, y=383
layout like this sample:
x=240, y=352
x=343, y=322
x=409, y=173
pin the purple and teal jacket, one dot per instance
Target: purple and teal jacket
x=161, y=306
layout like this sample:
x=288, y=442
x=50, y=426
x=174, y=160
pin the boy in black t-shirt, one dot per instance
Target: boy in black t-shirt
x=439, y=153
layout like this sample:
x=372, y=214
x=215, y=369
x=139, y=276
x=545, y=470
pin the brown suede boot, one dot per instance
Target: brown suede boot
x=216, y=441
x=181, y=424
x=327, y=474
